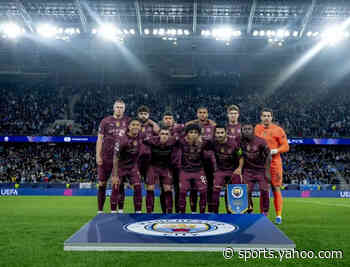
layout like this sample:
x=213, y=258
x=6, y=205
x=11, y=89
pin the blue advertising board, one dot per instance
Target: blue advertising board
x=93, y=139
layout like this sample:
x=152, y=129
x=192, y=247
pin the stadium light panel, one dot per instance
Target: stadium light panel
x=146, y=31
x=255, y=33
x=280, y=33
x=223, y=33
x=186, y=32
x=161, y=32
x=132, y=31
x=295, y=33
x=155, y=31
x=286, y=33
x=179, y=32
x=126, y=31
x=309, y=34
x=47, y=30
x=11, y=30
x=262, y=33
x=332, y=36
x=107, y=31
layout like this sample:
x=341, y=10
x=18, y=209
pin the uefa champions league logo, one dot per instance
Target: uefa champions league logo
x=181, y=228
x=237, y=192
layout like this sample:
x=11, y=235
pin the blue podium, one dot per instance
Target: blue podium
x=178, y=232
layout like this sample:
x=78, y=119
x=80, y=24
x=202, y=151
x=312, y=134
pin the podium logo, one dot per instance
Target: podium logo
x=181, y=228
x=67, y=139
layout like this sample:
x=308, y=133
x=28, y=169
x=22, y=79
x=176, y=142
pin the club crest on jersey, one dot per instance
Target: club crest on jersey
x=237, y=192
x=232, y=130
x=248, y=147
x=222, y=150
x=134, y=143
x=181, y=228
x=117, y=124
x=208, y=130
x=143, y=129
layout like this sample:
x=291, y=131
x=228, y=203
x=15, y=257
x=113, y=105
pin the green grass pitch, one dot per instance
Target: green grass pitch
x=33, y=229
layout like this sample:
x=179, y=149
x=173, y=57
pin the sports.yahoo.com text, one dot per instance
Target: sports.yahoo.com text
x=286, y=254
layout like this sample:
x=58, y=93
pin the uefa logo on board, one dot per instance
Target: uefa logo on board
x=181, y=228
x=237, y=192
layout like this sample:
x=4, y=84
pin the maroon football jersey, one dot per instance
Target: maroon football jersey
x=192, y=155
x=233, y=130
x=207, y=130
x=227, y=154
x=160, y=153
x=147, y=130
x=111, y=128
x=127, y=149
x=177, y=130
x=255, y=153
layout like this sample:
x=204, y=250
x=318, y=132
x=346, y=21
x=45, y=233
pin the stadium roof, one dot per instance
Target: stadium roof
x=244, y=15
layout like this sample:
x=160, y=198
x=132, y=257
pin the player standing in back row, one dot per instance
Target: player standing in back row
x=278, y=143
x=233, y=126
x=109, y=129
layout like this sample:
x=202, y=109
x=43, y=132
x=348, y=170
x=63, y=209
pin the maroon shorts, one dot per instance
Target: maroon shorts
x=197, y=179
x=226, y=177
x=132, y=175
x=156, y=175
x=250, y=178
x=104, y=170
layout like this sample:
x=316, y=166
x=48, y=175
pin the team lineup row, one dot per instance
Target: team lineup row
x=199, y=156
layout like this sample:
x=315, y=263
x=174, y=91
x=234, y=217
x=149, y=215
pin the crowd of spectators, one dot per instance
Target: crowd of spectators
x=28, y=111
x=47, y=162
x=316, y=165
x=302, y=112
x=70, y=163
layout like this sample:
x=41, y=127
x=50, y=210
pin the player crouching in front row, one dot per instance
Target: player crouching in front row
x=127, y=149
x=159, y=171
x=228, y=155
x=193, y=151
x=256, y=168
